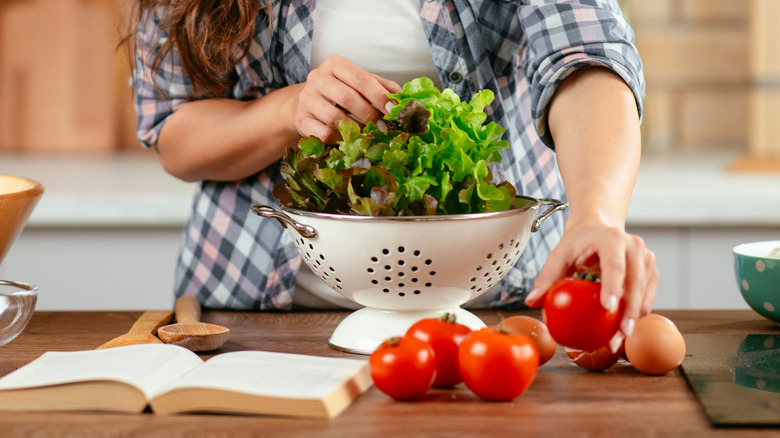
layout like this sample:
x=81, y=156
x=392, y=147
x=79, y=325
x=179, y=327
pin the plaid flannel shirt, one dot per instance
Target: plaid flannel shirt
x=521, y=50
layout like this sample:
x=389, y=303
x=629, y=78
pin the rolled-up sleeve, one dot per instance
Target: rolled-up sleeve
x=159, y=90
x=565, y=36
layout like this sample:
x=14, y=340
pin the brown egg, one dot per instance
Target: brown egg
x=534, y=329
x=657, y=317
x=655, y=346
x=598, y=360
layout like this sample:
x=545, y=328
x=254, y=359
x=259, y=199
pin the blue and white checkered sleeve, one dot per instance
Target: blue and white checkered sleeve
x=566, y=35
x=160, y=89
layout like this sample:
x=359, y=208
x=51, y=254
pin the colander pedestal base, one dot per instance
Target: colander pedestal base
x=363, y=330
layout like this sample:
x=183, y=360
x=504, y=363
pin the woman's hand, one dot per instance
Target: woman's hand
x=594, y=122
x=338, y=89
x=254, y=134
x=625, y=266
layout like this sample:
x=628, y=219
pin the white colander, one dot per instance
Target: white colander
x=404, y=268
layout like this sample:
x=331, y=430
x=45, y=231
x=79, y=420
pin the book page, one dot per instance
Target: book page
x=147, y=366
x=273, y=374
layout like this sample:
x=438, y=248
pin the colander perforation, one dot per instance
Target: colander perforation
x=404, y=271
x=494, y=266
x=397, y=270
x=318, y=264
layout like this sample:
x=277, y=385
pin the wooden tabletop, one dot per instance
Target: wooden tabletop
x=563, y=401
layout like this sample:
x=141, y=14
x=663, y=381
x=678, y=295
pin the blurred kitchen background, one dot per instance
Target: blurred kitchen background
x=105, y=234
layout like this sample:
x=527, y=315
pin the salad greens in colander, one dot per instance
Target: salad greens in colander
x=430, y=156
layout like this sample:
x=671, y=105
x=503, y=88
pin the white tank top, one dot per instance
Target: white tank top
x=384, y=37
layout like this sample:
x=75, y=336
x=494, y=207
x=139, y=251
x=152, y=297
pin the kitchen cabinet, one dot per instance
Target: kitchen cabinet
x=696, y=264
x=96, y=268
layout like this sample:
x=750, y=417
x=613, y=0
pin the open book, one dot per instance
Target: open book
x=171, y=379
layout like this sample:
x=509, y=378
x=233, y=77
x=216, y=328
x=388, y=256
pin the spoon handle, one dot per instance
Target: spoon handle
x=150, y=321
x=187, y=309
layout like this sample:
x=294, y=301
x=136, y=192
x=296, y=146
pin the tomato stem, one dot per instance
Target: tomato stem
x=448, y=317
x=587, y=276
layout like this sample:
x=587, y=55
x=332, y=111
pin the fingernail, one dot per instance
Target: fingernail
x=389, y=106
x=615, y=342
x=628, y=326
x=532, y=295
x=612, y=303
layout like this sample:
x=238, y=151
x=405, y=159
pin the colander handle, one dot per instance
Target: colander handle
x=555, y=205
x=267, y=211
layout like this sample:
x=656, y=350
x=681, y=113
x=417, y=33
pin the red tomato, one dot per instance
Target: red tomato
x=575, y=317
x=403, y=367
x=496, y=365
x=444, y=335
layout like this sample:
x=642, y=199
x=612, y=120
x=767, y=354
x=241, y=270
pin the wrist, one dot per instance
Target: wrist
x=594, y=217
x=280, y=120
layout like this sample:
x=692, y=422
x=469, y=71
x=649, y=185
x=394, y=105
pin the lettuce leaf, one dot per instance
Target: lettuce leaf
x=429, y=156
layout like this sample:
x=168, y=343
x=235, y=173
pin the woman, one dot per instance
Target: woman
x=223, y=87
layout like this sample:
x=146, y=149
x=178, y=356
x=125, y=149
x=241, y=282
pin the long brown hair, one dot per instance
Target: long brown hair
x=211, y=36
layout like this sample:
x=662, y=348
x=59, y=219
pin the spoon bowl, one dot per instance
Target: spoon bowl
x=189, y=332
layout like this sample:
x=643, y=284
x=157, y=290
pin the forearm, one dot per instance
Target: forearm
x=225, y=139
x=594, y=123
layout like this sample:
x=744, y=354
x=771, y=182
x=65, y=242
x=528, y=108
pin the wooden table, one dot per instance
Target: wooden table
x=563, y=401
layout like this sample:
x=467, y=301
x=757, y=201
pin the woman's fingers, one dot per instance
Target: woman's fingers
x=344, y=96
x=635, y=284
x=389, y=85
x=652, y=283
x=370, y=97
x=336, y=90
x=612, y=251
x=624, y=264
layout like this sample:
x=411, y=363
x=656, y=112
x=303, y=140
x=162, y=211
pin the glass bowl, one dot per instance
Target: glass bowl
x=17, y=304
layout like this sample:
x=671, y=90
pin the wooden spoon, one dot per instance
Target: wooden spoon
x=189, y=332
x=143, y=330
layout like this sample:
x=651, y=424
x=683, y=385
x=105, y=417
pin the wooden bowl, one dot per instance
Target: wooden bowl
x=18, y=197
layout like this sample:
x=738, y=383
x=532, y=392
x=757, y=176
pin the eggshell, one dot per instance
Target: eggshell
x=655, y=347
x=534, y=329
x=598, y=360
